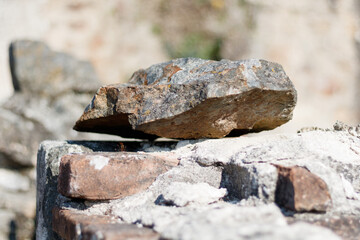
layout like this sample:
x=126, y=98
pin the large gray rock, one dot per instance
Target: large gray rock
x=36, y=69
x=193, y=98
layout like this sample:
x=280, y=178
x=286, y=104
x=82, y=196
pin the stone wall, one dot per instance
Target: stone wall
x=252, y=187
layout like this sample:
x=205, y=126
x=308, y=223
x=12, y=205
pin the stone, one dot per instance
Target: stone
x=248, y=163
x=192, y=98
x=347, y=227
x=19, y=140
x=182, y=194
x=300, y=190
x=48, y=162
x=36, y=69
x=221, y=221
x=7, y=221
x=73, y=224
x=13, y=181
x=104, y=176
x=51, y=88
x=246, y=167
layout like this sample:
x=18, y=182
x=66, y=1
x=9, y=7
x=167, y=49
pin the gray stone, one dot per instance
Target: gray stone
x=36, y=69
x=48, y=162
x=19, y=141
x=47, y=171
x=221, y=221
x=232, y=222
x=13, y=181
x=6, y=224
x=181, y=194
x=331, y=155
x=51, y=89
x=193, y=98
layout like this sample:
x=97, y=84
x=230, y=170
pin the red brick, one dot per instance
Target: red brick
x=74, y=224
x=102, y=176
x=300, y=190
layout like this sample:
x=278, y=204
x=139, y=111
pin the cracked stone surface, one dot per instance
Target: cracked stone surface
x=191, y=98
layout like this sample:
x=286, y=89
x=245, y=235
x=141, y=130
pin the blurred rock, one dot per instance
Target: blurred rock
x=348, y=227
x=13, y=181
x=51, y=89
x=193, y=98
x=6, y=224
x=20, y=138
x=38, y=70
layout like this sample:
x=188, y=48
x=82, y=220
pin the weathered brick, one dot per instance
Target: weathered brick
x=300, y=190
x=75, y=224
x=346, y=226
x=101, y=176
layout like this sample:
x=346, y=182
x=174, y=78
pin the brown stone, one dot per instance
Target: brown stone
x=75, y=224
x=347, y=227
x=101, y=176
x=300, y=190
x=192, y=98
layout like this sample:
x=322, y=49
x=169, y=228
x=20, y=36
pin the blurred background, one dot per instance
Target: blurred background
x=317, y=43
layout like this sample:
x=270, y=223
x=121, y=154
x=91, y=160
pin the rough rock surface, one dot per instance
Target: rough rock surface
x=36, y=69
x=246, y=167
x=193, y=98
x=182, y=194
x=20, y=138
x=48, y=162
x=105, y=176
x=72, y=224
x=301, y=191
